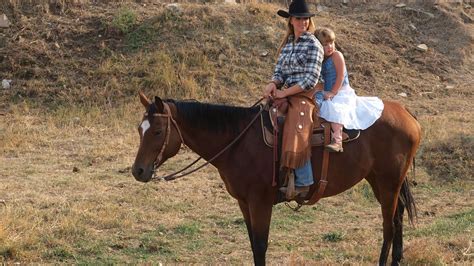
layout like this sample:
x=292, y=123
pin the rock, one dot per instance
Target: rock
x=449, y=87
x=6, y=84
x=4, y=23
x=413, y=27
x=422, y=47
x=254, y=10
x=57, y=45
x=400, y=5
x=403, y=94
x=321, y=8
x=246, y=32
x=418, y=12
x=264, y=53
x=466, y=18
x=221, y=58
x=175, y=7
x=345, y=2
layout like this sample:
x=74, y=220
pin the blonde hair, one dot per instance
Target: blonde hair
x=325, y=35
x=291, y=31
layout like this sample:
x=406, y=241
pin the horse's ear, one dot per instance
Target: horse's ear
x=143, y=99
x=159, y=104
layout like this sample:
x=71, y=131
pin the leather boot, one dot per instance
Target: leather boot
x=336, y=143
x=299, y=191
x=334, y=147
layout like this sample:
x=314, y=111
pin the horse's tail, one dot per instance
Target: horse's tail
x=411, y=113
x=408, y=201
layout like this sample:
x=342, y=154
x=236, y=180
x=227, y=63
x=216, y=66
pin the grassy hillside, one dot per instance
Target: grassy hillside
x=68, y=137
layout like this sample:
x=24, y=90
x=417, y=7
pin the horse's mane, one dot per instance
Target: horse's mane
x=214, y=117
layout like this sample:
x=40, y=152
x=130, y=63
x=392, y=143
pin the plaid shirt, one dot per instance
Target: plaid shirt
x=300, y=62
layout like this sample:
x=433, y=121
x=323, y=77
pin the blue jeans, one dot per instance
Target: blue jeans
x=304, y=175
x=319, y=98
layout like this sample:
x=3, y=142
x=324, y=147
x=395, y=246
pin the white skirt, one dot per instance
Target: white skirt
x=352, y=111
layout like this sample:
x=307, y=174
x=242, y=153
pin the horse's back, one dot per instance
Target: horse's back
x=394, y=140
x=401, y=122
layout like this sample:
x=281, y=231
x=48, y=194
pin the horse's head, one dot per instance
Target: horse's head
x=159, y=138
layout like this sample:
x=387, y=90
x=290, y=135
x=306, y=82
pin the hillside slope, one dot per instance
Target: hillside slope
x=213, y=52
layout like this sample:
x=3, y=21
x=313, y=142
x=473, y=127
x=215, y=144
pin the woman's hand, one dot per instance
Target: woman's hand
x=279, y=94
x=328, y=95
x=269, y=90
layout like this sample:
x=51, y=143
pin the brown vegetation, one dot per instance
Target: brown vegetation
x=68, y=137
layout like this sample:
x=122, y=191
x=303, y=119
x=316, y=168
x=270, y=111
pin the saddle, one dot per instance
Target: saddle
x=272, y=131
x=317, y=138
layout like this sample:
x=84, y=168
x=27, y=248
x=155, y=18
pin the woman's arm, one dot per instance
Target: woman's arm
x=288, y=92
x=312, y=68
x=277, y=78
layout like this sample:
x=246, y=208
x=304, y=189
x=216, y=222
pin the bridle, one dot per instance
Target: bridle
x=170, y=120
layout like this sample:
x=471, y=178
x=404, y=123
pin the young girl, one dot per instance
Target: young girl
x=338, y=102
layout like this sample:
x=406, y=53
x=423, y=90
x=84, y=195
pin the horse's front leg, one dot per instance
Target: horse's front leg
x=257, y=211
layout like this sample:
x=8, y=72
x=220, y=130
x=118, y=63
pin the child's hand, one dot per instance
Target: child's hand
x=328, y=95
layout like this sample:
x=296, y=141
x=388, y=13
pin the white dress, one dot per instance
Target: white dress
x=346, y=107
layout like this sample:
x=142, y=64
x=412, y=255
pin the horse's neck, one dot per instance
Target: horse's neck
x=205, y=143
x=207, y=129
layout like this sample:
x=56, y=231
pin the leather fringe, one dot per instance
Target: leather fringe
x=295, y=160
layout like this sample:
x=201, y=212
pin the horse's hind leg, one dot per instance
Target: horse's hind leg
x=397, y=252
x=387, y=195
x=388, y=200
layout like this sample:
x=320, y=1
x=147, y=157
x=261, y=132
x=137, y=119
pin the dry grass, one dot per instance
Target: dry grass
x=75, y=107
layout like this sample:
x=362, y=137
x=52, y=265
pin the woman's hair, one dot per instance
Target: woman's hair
x=291, y=31
x=325, y=35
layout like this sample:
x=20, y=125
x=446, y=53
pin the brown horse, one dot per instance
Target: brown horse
x=382, y=155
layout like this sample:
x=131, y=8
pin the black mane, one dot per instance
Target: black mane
x=215, y=117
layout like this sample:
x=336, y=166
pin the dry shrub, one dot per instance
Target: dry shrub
x=449, y=159
x=426, y=252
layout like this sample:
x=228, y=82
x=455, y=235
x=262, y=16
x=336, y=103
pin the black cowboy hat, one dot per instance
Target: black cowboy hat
x=298, y=9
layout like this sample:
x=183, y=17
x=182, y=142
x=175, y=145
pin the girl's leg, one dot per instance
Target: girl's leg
x=336, y=143
x=337, y=132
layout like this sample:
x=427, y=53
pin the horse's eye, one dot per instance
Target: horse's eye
x=158, y=132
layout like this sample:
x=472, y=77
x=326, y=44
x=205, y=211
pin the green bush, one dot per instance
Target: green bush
x=124, y=20
x=333, y=237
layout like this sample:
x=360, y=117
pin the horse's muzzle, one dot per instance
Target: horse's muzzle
x=142, y=174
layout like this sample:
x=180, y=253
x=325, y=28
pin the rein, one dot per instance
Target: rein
x=179, y=174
